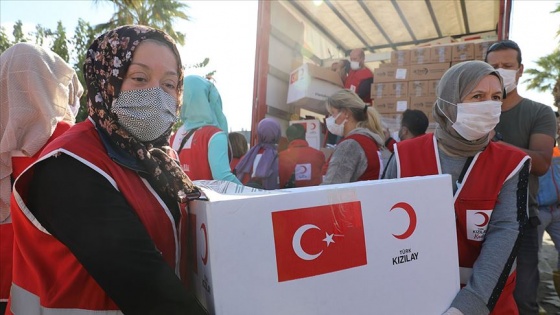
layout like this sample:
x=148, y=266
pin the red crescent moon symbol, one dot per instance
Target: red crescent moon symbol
x=301, y=169
x=411, y=214
x=486, y=219
x=205, y=256
x=313, y=126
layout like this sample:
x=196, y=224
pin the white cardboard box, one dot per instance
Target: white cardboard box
x=313, y=133
x=373, y=247
x=310, y=86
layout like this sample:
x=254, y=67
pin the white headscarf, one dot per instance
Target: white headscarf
x=37, y=90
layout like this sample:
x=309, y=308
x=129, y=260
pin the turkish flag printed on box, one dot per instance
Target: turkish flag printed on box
x=318, y=240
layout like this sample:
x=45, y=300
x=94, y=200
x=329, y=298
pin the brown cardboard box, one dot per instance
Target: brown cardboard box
x=418, y=88
x=480, y=48
x=420, y=56
x=440, y=53
x=400, y=57
x=432, y=86
x=391, y=105
x=423, y=103
x=432, y=71
x=462, y=52
x=390, y=74
x=389, y=89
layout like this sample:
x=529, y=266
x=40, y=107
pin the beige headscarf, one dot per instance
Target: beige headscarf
x=37, y=90
x=454, y=86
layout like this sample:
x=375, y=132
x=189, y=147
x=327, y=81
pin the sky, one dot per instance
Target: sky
x=225, y=32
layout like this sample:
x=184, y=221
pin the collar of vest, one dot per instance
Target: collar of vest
x=117, y=154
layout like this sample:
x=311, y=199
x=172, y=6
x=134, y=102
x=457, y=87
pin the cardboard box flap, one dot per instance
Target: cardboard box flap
x=320, y=73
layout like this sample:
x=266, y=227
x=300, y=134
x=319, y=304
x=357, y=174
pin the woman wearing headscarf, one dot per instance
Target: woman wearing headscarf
x=357, y=155
x=40, y=99
x=100, y=219
x=259, y=167
x=202, y=141
x=489, y=182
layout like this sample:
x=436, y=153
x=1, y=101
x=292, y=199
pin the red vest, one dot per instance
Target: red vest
x=481, y=185
x=19, y=164
x=47, y=276
x=373, y=170
x=303, y=161
x=194, y=154
x=355, y=77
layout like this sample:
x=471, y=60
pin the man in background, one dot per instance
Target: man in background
x=299, y=165
x=414, y=123
x=359, y=78
x=531, y=127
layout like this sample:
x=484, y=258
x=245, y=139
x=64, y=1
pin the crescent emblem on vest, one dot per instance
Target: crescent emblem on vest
x=412, y=217
x=301, y=169
x=296, y=242
x=486, y=219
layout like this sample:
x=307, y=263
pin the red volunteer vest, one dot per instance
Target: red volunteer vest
x=47, y=277
x=373, y=170
x=194, y=154
x=481, y=186
x=355, y=77
x=19, y=164
x=303, y=161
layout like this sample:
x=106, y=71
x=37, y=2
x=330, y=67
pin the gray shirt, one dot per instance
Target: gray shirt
x=518, y=124
x=503, y=230
x=348, y=161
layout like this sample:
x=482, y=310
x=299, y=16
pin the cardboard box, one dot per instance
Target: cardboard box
x=480, y=48
x=310, y=85
x=440, y=53
x=389, y=89
x=313, y=133
x=423, y=103
x=390, y=74
x=462, y=51
x=391, y=105
x=335, y=249
x=420, y=56
x=400, y=57
x=418, y=88
x=432, y=87
x=432, y=71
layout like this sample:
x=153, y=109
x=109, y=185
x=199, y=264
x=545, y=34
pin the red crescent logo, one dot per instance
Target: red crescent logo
x=486, y=219
x=301, y=169
x=205, y=256
x=411, y=214
x=313, y=126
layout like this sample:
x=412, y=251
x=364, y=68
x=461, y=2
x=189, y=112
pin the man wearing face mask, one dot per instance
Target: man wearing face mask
x=359, y=78
x=531, y=127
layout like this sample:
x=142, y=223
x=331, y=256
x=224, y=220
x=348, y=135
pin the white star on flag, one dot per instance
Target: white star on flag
x=328, y=239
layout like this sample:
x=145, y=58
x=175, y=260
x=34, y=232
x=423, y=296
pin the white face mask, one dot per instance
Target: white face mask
x=475, y=120
x=147, y=113
x=333, y=127
x=354, y=65
x=509, y=77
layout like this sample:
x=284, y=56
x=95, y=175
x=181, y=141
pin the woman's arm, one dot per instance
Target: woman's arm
x=498, y=250
x=86, y=213
x=218, y=158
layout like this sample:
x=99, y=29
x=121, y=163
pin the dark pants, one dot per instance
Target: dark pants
x=527, y=284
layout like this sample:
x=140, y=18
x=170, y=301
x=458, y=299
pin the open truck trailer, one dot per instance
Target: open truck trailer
x=294, y=33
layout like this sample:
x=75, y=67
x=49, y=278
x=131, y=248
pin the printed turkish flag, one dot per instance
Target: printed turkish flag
x=318, y=240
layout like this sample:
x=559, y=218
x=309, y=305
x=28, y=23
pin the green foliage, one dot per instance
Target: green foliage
x=546, y=77
x=159, y=14
x=18, y=32
x=60, y=43
x=83, y=37
x=4, y=40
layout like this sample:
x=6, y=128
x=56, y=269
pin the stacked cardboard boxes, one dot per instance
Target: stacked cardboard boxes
x=410, y=80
